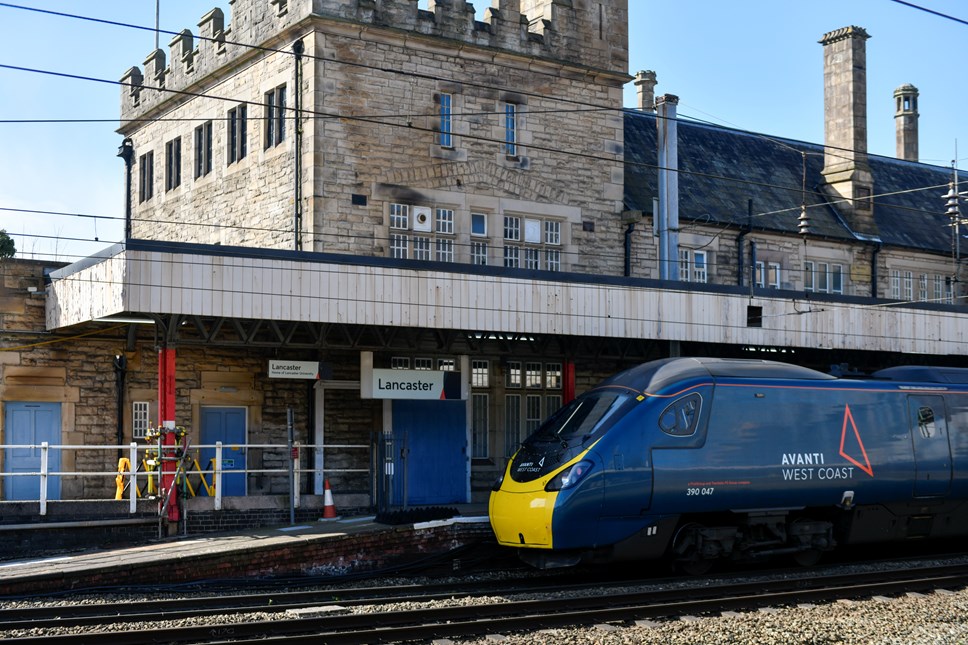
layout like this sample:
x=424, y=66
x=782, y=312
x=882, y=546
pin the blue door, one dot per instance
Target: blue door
x=29, y=425
x=228, y=426
x=430, y=446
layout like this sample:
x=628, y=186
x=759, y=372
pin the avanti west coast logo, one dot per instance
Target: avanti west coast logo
x=809, y=466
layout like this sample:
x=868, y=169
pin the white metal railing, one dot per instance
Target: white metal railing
x=138, y=454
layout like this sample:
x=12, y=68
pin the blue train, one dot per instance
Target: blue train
x=699, y=459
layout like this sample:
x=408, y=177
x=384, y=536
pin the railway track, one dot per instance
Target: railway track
x=586, y=604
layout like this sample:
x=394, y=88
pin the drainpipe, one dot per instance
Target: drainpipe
x=628, y=249
x=874, y=254
x=298, y=48
x=752, y=264
x=126, y=152
x=120, y=371
x=740, y=256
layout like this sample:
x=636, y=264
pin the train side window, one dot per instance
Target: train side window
x=926, y=422
x=681, y=417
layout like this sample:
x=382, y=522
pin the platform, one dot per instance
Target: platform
x=327, y=548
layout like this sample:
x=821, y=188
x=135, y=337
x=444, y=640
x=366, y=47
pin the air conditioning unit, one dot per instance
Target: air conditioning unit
x=421, y=219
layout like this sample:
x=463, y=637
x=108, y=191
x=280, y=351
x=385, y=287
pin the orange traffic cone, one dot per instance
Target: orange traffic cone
x=329, y=509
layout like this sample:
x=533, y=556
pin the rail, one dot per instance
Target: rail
x=140, y=465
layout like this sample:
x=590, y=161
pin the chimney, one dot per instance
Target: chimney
x=906, y=122
x=847, y=176
x=668, y=141
x=645, y=82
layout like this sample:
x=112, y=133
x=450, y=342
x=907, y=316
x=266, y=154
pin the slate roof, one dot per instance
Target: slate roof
x=721, y=169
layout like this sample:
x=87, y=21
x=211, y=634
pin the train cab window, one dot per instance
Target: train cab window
x=926, y=422
x=681, y=417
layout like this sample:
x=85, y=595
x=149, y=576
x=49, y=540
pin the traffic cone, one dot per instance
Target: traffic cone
x=329, y=509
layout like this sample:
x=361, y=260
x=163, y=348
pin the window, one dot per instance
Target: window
x=692, y=266
x=421, y=247
x=444, y=227
x=445, y=136
x=203, y=149
x=423, y=364
x=942, y=290
x=479, y=426
x=768, y=275
x=399, y=220
x=479, y=253
x=173, y=164
x=146, y=176
x=400, y=363
x=140, y=421
x=447, y=365
x=512, y=376
x=908, y=286
x=681, y=417
x=237, y=144
x=478, y=224
x=895, y=284
x=923, y=288
x=525, y=412
x=822, y=277
x=510, y=129
x=275, y=116
x=480, y=374
x=538, y=236
x=512, y=424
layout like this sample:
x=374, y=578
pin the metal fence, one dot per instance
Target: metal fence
x=139, y=471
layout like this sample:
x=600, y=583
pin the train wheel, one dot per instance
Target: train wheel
x=807, y=558
x=685, y=551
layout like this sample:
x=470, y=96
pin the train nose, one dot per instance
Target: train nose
x=522, y=518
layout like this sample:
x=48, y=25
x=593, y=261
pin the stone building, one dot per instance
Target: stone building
x=394, y=195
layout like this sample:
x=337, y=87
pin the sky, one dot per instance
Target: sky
x=749, y=64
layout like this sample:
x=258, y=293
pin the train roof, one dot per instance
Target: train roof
x=923, y=374
x=656, y=375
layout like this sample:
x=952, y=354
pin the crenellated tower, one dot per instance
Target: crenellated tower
x=394, y=131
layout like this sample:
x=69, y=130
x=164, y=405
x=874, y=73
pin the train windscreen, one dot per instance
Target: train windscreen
x=584, y=418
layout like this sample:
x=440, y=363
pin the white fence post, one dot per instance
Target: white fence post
x=44, y=455
x=133, y=477
x=218, y=475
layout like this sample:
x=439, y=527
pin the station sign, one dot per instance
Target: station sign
x=294, y=369
x=415, y=384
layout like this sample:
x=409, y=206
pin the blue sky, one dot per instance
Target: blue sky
x=751, y=64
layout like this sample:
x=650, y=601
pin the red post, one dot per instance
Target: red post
x=166, y=419
x=568, y=389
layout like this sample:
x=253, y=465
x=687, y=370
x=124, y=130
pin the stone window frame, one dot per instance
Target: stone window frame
x=203, y=140
x=140, y=419
x=445, y=120
x=236, y=139
x=693, y=265
x=768, y=274
x=146, y=176
x=173, y=164
x=274, y=125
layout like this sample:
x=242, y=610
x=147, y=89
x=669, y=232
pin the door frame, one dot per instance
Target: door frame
x=319, y=427
x=245, y=442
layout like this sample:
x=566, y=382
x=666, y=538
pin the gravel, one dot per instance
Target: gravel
x=938, y=617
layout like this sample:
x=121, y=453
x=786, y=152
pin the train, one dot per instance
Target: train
x=701, y=460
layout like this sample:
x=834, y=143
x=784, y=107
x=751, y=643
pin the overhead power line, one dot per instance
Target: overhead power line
x=931, y=11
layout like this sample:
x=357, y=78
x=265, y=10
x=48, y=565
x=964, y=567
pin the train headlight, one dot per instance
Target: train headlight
x=569, y=476
x=496, y=486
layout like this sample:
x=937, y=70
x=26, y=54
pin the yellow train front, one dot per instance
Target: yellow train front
x=551, y=502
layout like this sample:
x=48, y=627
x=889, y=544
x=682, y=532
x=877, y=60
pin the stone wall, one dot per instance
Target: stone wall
x=373, y=75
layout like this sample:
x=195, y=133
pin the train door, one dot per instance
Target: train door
x=228, y=426
x=430, y=446
x=932, y=452
x=29, y=425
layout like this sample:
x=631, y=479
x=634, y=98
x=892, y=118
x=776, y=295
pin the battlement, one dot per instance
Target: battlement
x=594, y=37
